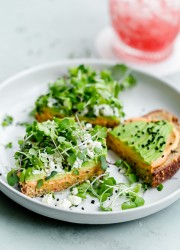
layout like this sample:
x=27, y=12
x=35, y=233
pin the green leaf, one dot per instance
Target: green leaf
x=20, y=142
x=118, y=163
x=49, y=150
x=80, y=155
x=97, y=150
x=128, y=205
x=9, y=145
x=71, y=159
x=105, y=208
x=160, y=187
x=82, y=187
x=105, y=196
x=39, y=183
x=53, y=173
x=32, y=151
x=139, y=201
x=75, y=171
x=22, y=175
x=81, y=195
x=137, y=187
x=61, y=138
x=12, y=177
x=103, y=162
x=28, y=173
x=8, y=120
x=132, y=178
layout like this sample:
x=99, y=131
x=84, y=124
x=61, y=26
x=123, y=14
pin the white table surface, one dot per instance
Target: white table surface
x=39, y=31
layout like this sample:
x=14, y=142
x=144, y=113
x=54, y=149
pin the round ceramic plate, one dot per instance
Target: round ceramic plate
x=17, y=96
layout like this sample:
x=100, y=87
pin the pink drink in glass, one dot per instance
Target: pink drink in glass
x=146, y=28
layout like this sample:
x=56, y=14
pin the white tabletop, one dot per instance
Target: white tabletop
x=39, y=31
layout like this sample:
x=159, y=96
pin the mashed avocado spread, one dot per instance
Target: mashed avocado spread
x=147, y=139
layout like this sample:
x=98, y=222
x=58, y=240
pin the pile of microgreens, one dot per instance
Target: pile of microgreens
x=62, y=139
x=84, y=88
x=109, y=192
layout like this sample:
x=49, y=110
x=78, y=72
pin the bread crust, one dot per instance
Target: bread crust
x=49, y=114
x=152, y=176
x=30, y=189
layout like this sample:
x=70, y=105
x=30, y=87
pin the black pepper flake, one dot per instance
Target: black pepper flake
x=57, y=199
x=142, y=145
x=156, y=148
x=93, y=201
x=170, y=143
x=82, y=208
x=116, y=191
x=143, y=132
x=119, y=134
x=132, y=143
x=162, y=156
x=0, y=174
x=148, y=148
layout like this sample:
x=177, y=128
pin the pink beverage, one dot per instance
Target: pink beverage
x=145, y=26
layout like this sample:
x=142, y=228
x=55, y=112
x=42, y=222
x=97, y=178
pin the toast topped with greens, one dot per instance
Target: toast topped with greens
x=57, y=154
x=151, y=144
x=92, y=95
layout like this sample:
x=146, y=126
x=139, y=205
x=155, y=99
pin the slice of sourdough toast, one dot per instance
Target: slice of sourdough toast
x=60, y=181
x=58, y=154
x=167, y=166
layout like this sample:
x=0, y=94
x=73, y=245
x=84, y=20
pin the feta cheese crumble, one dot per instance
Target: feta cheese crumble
x=48, y=199
x=64, y=204
x=105, y=110
x=75, y=200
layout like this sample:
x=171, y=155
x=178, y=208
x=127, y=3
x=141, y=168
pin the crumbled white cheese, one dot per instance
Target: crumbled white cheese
x=88, y=125
x=116, y=111
x=51, y=162
x=64, y=204
x=77, y=163
x=75, y=200
x=84, y=112
x=51, y=102
x=87, y=136
x=90, y=153
x=74, y=191
x=36, y=171
x=123, y=171
x=105, y=110
x=48, y=199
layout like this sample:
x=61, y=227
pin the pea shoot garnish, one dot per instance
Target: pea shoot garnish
x=8, y=120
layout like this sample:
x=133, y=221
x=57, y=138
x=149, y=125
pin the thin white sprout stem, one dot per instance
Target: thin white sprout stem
x=94, y=181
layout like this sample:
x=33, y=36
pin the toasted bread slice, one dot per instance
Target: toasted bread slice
x=49, y=114
x=60, y=182
x=153, y=175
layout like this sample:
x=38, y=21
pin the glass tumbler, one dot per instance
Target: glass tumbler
x=146, y=29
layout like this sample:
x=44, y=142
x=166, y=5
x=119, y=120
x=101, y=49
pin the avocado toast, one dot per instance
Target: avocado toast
x=90, y=94
x=57, y=154
x=151, y=144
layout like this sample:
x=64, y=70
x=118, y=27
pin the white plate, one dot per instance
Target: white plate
x=17, y=96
